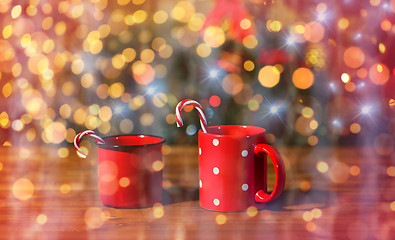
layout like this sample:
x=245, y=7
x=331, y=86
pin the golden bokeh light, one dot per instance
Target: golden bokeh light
x=350, y=87
x=345, y=77
x=269, y=76
x=220, y=219
x=93, y=218
x=311, y=226
x=302, y=126
x=65, y=188
x=23, y=189
x=382, y=48
x=245, y=23
x=116, y=90
x=307, y=112
x=354, y=170
x=147, y=119
x=252, y=211
x=157, y=165
x=249, y=65
x=386, y=25
x=274, y=25
x=16, y=11
x=379, y=74
x=343, y=23
x=41, y=219
x=250, y=41
x=339, y=172
x=316, y=212
x=303, y=78
x=160, y=100
x=7, y=31
x=160, y=17
x=124, y=182
x=158, y=210
x=312, y=140
x=354, y=57
x=170, y=119
x=143, y=73
x=322, y=167
x=307, y=216
x=305, y=185
x=214, y=36
x=55, y=132
x=355, y=128
x=63, y=152
x=7, y=90
x=126, y=126
x=391, y=171
x=232, y=84
x=203, y=50
x=314, y=32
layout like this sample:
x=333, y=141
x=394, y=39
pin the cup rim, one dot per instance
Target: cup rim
x=110, y=146
x=263, y=131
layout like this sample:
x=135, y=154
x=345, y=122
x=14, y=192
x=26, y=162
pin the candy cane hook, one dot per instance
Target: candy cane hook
x=198, y=107
x=77, y=140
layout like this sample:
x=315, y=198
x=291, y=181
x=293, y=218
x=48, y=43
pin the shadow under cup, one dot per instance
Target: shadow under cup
x=130, y=171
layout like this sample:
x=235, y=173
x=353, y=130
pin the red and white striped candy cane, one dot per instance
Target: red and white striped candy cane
x=77, y=140
x=182, y=104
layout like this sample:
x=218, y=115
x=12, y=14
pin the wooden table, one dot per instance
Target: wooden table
x=330, y=193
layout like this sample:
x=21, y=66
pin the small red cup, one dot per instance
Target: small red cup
x=130, y=171
x=232, y=168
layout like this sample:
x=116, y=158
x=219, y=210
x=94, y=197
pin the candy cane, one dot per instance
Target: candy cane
x=77, y=140
x=182, y=104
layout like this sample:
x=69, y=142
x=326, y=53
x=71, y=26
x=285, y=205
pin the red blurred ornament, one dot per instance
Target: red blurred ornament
x=230, y=62
x=236, y=12
x=274, y=56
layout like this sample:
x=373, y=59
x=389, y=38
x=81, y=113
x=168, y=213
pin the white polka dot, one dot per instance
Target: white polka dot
x=216, y=170
x=200, y=183
x=244, y=187
x=244, y=153
x=216, y=202
x=215, y=142
x=200, y=151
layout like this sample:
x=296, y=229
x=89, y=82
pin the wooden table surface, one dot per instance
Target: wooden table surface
x=330, y=193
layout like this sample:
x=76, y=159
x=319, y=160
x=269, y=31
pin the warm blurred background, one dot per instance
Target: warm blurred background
x=311, y=72
x=319, y=75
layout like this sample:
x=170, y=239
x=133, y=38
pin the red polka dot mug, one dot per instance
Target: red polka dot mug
x=232, y=168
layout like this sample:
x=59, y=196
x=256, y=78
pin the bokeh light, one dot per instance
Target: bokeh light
x=121, y=67
x=23, y=189
x=379, y=74
x=269, y=76
x=354, y=57
x=303, y=78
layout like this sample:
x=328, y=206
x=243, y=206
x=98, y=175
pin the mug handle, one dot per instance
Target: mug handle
x=262, y=196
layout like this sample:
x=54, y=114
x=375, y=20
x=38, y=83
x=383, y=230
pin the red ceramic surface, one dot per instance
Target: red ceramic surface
x=232, y=168
x=130, y=171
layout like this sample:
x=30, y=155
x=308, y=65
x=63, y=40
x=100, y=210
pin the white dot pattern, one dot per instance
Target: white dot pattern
x=216, y=170
x=200, y=184
x=200, y=151
x=244, y=153
x=215, y=142
x=216, y=202
x=244, y=187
